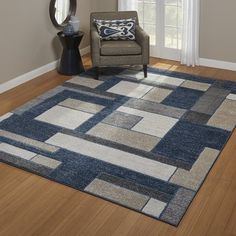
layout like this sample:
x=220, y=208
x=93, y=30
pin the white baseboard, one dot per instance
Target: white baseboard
x=33, y=74
x=27, y=77
x=218, y=64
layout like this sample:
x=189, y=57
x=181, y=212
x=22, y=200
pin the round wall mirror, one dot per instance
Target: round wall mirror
x=61, y=11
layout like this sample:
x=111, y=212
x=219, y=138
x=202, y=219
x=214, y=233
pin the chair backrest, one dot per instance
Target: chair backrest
x=116, y=15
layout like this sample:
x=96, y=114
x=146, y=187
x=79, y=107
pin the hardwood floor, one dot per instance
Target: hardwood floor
x=31, y=205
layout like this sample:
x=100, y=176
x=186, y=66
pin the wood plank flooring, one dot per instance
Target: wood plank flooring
x=31, y=205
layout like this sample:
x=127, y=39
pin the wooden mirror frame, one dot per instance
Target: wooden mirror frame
x=52, y=11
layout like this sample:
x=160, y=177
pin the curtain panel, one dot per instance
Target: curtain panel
x=190, y=34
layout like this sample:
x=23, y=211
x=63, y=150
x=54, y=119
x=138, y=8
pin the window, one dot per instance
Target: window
x=173, y=23
x=162, y=20
x=148, y=18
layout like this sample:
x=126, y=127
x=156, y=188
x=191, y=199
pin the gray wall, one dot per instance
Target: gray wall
x=28, y=38
x=104, y=5
x=218, y=30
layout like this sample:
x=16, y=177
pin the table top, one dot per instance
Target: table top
x=78, y=34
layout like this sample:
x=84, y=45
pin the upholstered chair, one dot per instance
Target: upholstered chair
x=121, y=52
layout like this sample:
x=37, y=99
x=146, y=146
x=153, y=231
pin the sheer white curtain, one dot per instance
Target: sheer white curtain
x=190, y=36
x=127, y=5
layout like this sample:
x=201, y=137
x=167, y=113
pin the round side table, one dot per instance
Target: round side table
x=71, y=62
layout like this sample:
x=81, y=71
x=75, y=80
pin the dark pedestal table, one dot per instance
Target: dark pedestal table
x=71, y=62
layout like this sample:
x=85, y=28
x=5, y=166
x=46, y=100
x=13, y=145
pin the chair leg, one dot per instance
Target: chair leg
x=97, y=71
x=145, y=71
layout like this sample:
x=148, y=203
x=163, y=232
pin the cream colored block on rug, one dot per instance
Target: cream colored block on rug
x=31, y=142
x=6, y=116
x=157, y=126
x=114, y=156
x=45, y=161
x=118, y=194
x=81, y=105
x=195, y=85
x=154, y=207
x=232, y=96
x=83, y=81
x=225, y=116
x=163, y=80
x=152, y=124
x=192, y=179
x=64, y=117
x=124, y=136
x=157, y=95
x=15, y=151
x=130, y=89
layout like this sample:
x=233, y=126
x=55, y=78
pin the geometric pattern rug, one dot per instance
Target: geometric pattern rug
x=146, y=144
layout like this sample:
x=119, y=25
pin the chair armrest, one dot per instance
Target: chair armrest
x=95, y=45
x=143, y=40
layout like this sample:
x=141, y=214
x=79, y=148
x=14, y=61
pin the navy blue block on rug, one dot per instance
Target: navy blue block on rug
x=146, y=144
x=183, y=98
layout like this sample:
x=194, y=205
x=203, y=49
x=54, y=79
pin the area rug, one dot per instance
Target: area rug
x=146, y=144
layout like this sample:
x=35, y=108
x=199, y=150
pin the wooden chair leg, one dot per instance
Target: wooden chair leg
x=97, y=71
x=145, y=71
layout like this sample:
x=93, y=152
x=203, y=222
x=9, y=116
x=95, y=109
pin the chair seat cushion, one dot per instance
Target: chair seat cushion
x=117, y=48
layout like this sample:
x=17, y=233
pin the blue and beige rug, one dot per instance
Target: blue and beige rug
x=146, y=144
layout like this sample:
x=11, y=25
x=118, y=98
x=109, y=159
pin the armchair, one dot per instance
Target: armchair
x=121, y=52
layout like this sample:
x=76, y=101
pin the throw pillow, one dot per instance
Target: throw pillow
x=116, y=29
